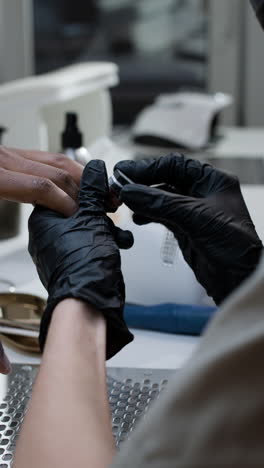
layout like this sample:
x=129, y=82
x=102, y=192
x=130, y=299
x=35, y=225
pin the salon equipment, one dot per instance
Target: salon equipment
x=169, y=248
x=148, y=280
x=20, y=319
x=186, y=120
x=72, y=140
x=71, y=137
x=21, y=307
x=33, y=108
x=131, y=392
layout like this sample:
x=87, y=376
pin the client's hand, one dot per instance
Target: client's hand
x=206, y=212
x=79, y=257
x=47, y=179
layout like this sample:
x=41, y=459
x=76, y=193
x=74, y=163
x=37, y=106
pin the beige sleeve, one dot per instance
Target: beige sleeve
x=212, y=415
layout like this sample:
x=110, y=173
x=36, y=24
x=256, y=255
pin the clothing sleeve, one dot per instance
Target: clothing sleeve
x=213, y=412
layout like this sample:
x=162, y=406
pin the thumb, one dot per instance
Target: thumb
x=94, y=186
x=163, y=207
x=124, y=239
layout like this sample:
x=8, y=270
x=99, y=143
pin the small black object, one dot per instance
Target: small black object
x=72, y=136
x=2, y=131
x=258, y=6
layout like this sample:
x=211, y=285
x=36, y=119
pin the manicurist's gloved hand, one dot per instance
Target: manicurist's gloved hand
x=79, y=257
x=206, y=213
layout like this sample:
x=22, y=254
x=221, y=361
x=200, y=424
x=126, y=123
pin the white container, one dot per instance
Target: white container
x=33, y=108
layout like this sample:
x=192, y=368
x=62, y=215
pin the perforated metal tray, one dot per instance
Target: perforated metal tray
x=131, y=392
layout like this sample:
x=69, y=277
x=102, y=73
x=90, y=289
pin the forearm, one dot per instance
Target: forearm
x=68, y=420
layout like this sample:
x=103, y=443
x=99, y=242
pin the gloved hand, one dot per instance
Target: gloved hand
x=79, y=257
x=206, y=213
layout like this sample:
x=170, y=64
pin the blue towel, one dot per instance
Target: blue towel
x=169, y=318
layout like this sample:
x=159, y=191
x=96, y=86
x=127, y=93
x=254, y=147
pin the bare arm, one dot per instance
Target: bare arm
x=68, y=420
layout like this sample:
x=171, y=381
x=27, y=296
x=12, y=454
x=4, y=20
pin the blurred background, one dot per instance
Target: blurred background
x=159, y=45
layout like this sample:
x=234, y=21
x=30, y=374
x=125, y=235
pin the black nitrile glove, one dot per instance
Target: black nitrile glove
x=206, y=212
x=79, y=257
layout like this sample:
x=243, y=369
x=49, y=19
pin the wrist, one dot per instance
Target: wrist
x=75, y=322
x=110, y=318
x=77, y=307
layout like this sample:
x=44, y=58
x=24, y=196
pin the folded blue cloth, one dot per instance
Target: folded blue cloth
x=169, y=318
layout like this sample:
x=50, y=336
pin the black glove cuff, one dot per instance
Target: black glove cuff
x=117, y=333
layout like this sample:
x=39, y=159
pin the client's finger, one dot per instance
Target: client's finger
x=24, y=188
x=52, y=159
x=60, y=177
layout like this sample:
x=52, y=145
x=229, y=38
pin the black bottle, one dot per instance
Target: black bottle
x=72, y=140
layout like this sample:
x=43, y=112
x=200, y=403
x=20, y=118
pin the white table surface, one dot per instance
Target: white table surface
x=149, y=349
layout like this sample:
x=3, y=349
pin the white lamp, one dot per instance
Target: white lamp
x=33, y=108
